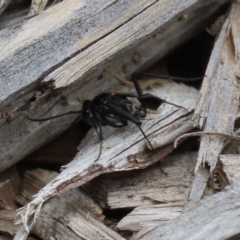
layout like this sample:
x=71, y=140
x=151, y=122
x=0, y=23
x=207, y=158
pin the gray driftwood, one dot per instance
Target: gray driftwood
x=159, y=192
x=158, y=215
x=122, y=150
x=219, y=103
x=164, y=182
x=74, y=57
x=56, y=59
x=216, y=217
x=78, y=216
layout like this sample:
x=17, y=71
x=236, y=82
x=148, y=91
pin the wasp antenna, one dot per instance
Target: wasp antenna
x=175, y=105
x=143, y=133
x=100, y=151
x=57, y=116
x=184, y=79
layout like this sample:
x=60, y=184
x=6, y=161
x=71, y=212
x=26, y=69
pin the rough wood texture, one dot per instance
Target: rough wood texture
x=7, y=226
x=119, y=155
x=148, y=216
x=231, y=166
x=219, y=103
x=164, y=182
x=72, y=49
x=211, y=215
x=78, y=216
x=74, y=219
x=33, y=181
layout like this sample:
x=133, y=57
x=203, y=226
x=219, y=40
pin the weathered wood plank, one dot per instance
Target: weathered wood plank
x=219, y=103
x=121, y=151
x=158, y=215
x=72, y=49
x=78, y=215
x=208, y=218
x=165, y=182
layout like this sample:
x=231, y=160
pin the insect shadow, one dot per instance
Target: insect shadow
x=116, y=110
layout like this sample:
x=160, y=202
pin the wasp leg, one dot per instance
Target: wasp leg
x=145, y=136
x=148, y=101
x=100, y=140
x=131, y=119
x=45, y=119
x=100, y=136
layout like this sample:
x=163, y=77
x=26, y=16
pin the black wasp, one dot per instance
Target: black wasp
x=115, y=110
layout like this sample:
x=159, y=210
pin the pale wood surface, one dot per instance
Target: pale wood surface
x=78, y=216
x=69, y=45
x=217, y=217
x=60, y=56
x=219, y=103
x=122, y=150
x=158, y=215
x=164, y=182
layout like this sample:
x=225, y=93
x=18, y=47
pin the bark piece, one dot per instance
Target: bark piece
x=218, y=106
x=72, y=49
x=209, y=217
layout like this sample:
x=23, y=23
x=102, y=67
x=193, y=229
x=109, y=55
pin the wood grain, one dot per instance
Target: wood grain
x=61, y=53
x=217, y=109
